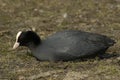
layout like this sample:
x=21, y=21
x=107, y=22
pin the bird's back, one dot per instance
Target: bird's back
x=72, y=44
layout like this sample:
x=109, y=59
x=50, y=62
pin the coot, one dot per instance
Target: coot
x=65, y=45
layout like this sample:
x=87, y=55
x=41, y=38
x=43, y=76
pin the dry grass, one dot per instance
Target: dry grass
x=47, y=17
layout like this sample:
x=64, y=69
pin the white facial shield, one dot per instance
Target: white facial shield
x=16, y=44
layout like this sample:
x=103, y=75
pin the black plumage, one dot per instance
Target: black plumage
x=66, y=45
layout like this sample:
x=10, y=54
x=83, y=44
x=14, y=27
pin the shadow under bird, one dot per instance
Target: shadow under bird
x=64, y=45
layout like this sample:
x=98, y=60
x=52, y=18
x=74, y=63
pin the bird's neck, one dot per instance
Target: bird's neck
x=34, y=43
x=32, y=46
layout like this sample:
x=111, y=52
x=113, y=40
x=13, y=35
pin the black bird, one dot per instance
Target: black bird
x=65, y=45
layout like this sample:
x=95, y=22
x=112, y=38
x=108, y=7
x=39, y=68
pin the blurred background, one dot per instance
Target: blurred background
x=47, y=17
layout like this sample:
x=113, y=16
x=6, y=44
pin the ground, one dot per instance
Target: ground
x=48, y=17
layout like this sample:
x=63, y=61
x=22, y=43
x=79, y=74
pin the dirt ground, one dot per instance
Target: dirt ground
x=50, y=16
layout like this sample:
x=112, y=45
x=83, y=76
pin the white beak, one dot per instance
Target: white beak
x=16, y=45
